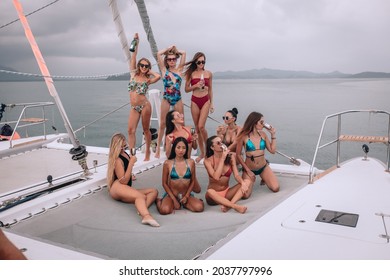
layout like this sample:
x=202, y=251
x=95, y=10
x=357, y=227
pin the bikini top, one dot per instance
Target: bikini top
x=169, y=85
x=175, y=176
x=227, y=173
x=140, y=88
x=194, y=81
x=189, y=138
x=126, y=164
x=249, y=146
x=227, y=143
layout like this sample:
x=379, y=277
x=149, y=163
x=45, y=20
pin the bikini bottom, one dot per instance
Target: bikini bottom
x=200, y=101
x=223, y=193
x=259, y=171
x=138, y=108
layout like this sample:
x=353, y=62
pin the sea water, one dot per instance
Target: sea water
x=295, y=107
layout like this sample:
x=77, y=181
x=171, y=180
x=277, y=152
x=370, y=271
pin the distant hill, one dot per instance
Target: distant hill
x=264, y=73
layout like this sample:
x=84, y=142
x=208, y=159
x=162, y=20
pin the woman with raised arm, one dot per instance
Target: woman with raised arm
x=119, y=180
x=254, y=141
x=220, y=163
x=178, y=181
x=141, y=76
x=228, y=132
x=172, y=78
x=199, y=81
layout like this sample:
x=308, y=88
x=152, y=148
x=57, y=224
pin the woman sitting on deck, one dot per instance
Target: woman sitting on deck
x=178, y=181
x=175, y=128
x=220, y=163
x=119, y=180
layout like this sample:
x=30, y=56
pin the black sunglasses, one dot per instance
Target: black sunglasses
x=199, y=62
x=144, y=65
x=225, y=118
x=172, y=59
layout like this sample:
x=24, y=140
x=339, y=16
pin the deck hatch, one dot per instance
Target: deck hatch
x=337, y=218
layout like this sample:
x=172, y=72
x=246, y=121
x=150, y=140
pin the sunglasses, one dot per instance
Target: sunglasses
x=172, y=59
x=141, y=65
x=219, y=143
x=225, y=118
x=199, y=62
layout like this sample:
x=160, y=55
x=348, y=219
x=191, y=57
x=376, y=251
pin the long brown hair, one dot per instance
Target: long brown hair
x=250, y=123
x=191, y=65
x=116, y=144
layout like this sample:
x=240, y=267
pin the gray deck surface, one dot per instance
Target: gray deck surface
x=112, y=230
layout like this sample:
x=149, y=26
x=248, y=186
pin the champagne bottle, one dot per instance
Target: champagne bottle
x=133, y=45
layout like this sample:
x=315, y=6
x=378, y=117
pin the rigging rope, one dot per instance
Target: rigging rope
x=33, y=12
x=91, y=77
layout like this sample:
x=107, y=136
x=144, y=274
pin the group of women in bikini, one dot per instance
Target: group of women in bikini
x=222, y=154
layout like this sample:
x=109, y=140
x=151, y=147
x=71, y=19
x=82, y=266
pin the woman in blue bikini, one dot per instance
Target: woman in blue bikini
x=172, y=78
x=141, y=76
x=178, y=181
x=254, y=141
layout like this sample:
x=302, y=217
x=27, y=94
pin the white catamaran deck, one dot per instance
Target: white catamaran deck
x=84, y=218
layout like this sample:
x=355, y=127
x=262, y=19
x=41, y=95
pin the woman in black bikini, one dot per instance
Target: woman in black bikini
x=119, y=181
x=141, y=76
x=200, y=82
x=220, y=163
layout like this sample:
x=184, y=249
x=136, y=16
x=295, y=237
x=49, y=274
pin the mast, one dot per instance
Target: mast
x=147, y=27
x=78, y=151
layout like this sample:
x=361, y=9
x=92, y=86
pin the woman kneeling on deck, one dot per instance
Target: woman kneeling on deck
x=178, y=181
x=119, y=180
x=220, y=163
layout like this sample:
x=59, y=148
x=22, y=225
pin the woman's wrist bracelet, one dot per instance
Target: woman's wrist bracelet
x=273, y=138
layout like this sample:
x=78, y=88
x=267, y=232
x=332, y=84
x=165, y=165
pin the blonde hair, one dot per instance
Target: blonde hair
x=116, y=144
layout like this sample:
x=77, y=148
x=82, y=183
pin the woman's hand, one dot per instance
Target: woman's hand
x=211, y=108
x=244, y=186
x=170, y=139
x=176, y=204
x=133, y=160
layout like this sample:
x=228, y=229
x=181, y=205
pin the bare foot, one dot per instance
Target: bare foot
x=149, y=220
x=147, y=155
x=224, y=208
x=240, y=208
x=157, y=154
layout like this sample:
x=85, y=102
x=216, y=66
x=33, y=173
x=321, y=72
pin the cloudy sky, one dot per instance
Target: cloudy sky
x=79, y=37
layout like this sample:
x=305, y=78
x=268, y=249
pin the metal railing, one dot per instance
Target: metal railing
x=22, y=121
x=337, y=140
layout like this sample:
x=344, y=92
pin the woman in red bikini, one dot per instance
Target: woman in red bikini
x=175, y=128
x=199, y=81
x=220, y=163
